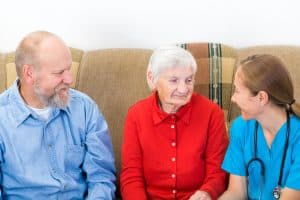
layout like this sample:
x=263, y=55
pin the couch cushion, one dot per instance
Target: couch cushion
x=76, y=59
x=10, y=67
x=2, y=72
x=216, y=66
x=116, y=80
x=290, y=55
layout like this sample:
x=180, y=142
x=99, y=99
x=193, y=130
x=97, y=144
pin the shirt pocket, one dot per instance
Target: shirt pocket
x=74, y=159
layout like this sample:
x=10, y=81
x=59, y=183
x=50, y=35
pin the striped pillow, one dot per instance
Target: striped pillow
x=216, y=66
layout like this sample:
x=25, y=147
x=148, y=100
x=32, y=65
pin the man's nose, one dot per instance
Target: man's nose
x=68, y=78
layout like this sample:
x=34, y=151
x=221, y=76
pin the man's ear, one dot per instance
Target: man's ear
x=263, y=97
x=28, y=74
x=150, y=80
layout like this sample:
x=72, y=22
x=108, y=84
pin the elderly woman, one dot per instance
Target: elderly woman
x=174, y=140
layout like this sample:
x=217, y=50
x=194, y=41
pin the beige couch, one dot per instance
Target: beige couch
x=115, y=78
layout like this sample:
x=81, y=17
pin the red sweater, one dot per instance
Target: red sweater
x=171, y=156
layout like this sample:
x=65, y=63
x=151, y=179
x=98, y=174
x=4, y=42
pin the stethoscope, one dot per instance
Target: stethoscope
x=277, y=189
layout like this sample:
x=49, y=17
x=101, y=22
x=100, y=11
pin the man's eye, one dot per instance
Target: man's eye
x=59, y=72
x=173, y=80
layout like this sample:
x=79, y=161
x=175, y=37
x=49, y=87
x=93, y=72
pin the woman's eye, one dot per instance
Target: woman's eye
x=189, y=81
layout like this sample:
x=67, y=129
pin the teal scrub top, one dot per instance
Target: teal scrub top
x=241, y=150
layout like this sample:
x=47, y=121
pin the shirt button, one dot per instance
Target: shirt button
x=173, y=175
x=173, y=144
x=174, y=191
x=172, y=126
x=173, y=159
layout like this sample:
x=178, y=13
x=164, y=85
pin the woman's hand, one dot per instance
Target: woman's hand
x=200, y=195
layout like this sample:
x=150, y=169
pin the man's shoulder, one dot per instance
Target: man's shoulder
x=4, y=97
x=80, y=102
x=78, y=96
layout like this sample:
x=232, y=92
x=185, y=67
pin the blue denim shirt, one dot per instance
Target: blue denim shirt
x=69, y=156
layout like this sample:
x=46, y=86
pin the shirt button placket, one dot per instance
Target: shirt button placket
x=51, y=152
x=174, y=193
x=173, y=158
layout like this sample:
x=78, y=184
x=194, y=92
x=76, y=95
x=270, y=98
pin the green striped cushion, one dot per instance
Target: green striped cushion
x=216, y=65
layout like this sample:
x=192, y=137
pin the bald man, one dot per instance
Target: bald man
x=54, y=142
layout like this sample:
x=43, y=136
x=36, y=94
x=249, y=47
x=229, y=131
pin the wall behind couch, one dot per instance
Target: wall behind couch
x=93, y=24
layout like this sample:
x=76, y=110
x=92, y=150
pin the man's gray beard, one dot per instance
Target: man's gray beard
x=52, y=101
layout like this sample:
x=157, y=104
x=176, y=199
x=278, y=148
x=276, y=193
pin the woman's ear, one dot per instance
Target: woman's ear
x=263, y=97
x=150, y=80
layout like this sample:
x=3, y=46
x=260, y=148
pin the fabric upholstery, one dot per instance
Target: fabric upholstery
x=115, y=79
x=2, y=73
x=76, y=59
x=216, y=66
x=10, y=67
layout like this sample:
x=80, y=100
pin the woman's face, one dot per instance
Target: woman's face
x=175, y=87
x=246, y=101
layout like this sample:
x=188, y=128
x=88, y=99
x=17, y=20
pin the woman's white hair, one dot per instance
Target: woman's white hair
x=168, y=57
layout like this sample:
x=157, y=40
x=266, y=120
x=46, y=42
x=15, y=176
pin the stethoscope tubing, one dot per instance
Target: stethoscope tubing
x=255, y=158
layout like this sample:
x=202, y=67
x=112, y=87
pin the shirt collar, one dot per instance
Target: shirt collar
x=159, y=115
x=20, y=110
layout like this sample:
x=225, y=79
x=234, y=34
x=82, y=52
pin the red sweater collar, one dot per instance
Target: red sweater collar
x=159, y=115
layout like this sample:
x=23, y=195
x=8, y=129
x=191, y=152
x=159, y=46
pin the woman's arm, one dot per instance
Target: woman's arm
x=237, y=188
x=216, y=179
x=132, y=178
x=288, y=194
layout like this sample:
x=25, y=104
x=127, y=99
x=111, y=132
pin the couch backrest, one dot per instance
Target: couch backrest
x=216, y=65
x=115, y=79
x=2, y=73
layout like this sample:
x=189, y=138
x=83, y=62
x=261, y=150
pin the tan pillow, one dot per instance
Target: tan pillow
x=2, y=73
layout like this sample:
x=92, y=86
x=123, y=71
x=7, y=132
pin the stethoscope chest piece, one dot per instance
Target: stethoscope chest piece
x=276, y=192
